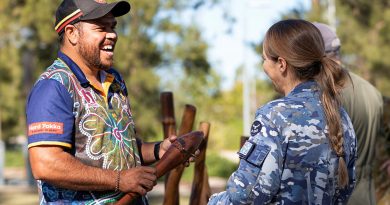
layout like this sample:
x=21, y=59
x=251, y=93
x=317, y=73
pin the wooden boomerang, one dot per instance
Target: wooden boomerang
x=179, y=152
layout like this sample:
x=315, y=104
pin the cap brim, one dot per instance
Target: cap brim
x=117, y=9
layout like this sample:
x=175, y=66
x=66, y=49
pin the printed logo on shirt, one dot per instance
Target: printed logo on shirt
x=45, y=127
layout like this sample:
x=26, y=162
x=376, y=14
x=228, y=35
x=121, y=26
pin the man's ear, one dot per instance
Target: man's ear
x=71, y=34
x=282, y=64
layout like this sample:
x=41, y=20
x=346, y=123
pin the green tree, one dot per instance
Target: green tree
x=29, y=44
x=363, y=27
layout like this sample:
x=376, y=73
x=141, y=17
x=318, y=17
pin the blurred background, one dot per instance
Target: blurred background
x=207, y=52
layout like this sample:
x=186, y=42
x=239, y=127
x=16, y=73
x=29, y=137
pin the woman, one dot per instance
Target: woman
x=302, y=148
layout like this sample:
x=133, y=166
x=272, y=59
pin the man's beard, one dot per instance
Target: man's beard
x=91, y=56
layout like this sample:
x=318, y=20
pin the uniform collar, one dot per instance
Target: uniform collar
x=84, y=81
x=310, y=85
x=75, y=69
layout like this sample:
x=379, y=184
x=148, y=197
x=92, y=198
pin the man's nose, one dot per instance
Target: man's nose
x=112, y=35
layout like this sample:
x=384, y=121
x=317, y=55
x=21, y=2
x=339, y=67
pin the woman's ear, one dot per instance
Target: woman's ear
x=282, y=64
x=71, y=34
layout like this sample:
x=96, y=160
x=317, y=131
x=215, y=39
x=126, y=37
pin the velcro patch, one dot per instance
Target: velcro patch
x=258, y=154
x=246, y=149
x=45, y=127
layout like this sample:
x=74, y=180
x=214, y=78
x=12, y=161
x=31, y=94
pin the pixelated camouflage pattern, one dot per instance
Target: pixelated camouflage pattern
x=300, y=166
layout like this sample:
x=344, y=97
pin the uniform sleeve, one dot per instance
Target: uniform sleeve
x=257, y=178
x=49, y=113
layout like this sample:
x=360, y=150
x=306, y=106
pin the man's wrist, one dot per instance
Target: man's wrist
x=117, y=180
x=157, y=151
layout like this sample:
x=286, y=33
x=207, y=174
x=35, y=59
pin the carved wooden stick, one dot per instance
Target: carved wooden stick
x=171, y=196
x=200, y=182
x=179, y=152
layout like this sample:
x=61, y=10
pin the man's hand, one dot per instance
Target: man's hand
x=138, y=180
x=164, y=146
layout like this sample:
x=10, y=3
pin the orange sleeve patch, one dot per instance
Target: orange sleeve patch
x=45, y=127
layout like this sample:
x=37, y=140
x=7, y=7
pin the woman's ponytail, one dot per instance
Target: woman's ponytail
x=331, y=80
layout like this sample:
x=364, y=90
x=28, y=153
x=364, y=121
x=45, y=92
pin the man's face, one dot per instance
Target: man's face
x=97, y=42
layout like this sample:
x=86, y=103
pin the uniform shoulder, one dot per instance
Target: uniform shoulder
x=58, y=71
x=281, y=105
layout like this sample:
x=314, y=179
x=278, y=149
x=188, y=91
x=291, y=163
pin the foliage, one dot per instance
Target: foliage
x=363, y=27
x=14, y=158
x=217, y=166
x=29, y=44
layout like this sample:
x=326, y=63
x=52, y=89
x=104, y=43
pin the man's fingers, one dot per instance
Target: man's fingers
x=141, y=190
x=150, y=170
x=150, y=177
x=147, y=184
x=172, y=138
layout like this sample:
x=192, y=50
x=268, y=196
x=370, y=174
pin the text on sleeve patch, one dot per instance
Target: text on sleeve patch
x=45, y=127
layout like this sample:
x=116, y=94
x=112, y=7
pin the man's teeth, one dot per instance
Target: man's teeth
x=108, y=47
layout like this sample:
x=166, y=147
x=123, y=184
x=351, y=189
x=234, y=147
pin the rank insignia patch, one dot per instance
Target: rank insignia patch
x=256, y=127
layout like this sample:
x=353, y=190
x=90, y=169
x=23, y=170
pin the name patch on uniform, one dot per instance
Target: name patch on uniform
x=256, y=127
x=45, y=127
x=258, y=154
x=246, y=149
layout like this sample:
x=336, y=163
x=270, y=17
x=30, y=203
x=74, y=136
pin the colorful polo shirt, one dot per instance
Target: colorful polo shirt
x=96, y=126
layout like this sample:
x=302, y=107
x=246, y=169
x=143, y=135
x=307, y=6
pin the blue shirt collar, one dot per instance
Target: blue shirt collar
x=310, y=85
x=75, y=69
x=83, y=80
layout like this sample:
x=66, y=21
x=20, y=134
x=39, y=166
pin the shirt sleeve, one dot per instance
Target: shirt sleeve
x=49, y=114
x=258, y=176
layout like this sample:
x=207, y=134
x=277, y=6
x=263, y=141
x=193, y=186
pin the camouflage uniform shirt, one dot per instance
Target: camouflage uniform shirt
x=288, y=158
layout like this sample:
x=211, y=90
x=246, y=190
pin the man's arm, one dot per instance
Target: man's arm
x=57, y=167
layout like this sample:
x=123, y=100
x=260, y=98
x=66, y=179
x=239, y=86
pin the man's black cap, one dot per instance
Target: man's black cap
x=72, y=11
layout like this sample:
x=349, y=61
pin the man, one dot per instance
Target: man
x=364, y=104
x=82, y=141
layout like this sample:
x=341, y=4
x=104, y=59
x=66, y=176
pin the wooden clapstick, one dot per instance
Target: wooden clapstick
x=179, y=152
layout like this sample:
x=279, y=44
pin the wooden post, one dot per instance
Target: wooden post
x=243, y=139
x=200, y=186
x=171, y=196
x=168, y=114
